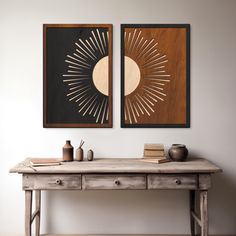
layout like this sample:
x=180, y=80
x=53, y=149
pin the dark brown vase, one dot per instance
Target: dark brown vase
x=68, y=151
x=178, y=152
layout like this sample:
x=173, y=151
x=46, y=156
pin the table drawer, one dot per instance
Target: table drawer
x=172, y=181
x=53, y=182
x=114, y=181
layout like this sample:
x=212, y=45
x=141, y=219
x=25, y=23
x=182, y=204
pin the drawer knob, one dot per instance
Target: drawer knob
x=58, y=182
x=117, y=182
x=178, y=181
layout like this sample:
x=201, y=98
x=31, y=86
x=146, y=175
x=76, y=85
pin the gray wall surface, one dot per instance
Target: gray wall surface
x=213, y=112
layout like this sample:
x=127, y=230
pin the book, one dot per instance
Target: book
x=153, y=153
x=156, y=160
x=44, y=161
x=153, y=146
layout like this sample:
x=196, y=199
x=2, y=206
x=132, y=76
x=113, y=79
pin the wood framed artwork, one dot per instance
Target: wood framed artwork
x=77, y=84
x=155, y=75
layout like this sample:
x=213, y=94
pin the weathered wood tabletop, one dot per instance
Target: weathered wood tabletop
x=121, y=165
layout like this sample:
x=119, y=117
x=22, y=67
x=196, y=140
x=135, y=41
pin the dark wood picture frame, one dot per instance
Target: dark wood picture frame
x=155, y=75
x=77, y=75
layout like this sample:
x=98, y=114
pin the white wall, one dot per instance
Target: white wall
x=213, y=112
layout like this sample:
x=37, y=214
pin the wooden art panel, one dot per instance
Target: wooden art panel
x=77, y=75
x=155, y=75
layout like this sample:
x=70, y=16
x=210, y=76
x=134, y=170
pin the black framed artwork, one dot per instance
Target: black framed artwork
x=155, y=75
x=77, y=75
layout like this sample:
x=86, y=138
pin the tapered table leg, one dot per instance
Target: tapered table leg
x=28, y=212
x=192, y=209
x=204, y=212
x=38, y=209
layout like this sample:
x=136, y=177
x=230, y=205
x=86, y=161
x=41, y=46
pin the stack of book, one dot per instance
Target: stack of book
x=154, y=152
x=44, y=162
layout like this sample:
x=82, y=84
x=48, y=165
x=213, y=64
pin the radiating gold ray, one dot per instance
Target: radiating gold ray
x=80, y=57
x=136, y=40
x=93, y=58
x=74, y=63
x=85, y=102
x=84, y=55
x=127, y=107
x=150, y=50
x=143, y=50
x=151, y=97
x=92, y=107
x=99, y=37
x=153, y=94
x=138, y=50
x=107, y=115
x=132, y=39
x=75, y=67
x=74, y=71
x=104, y=110
x=93, y=102
x=154, y=60
x=87, y=48
x=72, y=75
x=93, y=43
x=125, y=113
x=104, y=40
x=138, y=45
x=140, y=109
x=68, y=80
x=95, y=112
x=89, y=98
x=79, y=61
x=140, y=102
x=76, y=91
x=154, y=90
x=100, y=110
x=73, y=88
x=128, y=41
x=70, y=84
x=84, y=93
x=155, y=82
x=146, y=49
x=136, y=109
x=156, y=76
x=132, y=111
x=90, y=45
x=77, y=96
x=97, y=42
x=162, y=80
x=159, y=63
x=145, y=103
x=144, y=97
x=155, y=86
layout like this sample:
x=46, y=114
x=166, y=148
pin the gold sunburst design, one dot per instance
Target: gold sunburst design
x=145, y=76
x=87, y=76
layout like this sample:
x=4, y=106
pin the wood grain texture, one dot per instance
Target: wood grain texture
x=37, y=208
x=52, y=182
x=122, y=165
x=204, y=212
x=28, y=212
x=162, y=55
x=167, y=181
x=114, y=182
x=204, y=181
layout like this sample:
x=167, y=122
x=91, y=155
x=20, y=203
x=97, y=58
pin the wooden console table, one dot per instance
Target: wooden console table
x=119, y=174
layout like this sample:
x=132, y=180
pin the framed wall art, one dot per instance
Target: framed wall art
x=77, y=75
x=155, y=75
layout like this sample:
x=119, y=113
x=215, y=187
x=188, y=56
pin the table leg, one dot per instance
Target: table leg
x=204, y=212
x=192, y=209
x=37, y=208
x=28, y=212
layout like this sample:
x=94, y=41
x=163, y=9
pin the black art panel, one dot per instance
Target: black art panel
x=77, y=77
